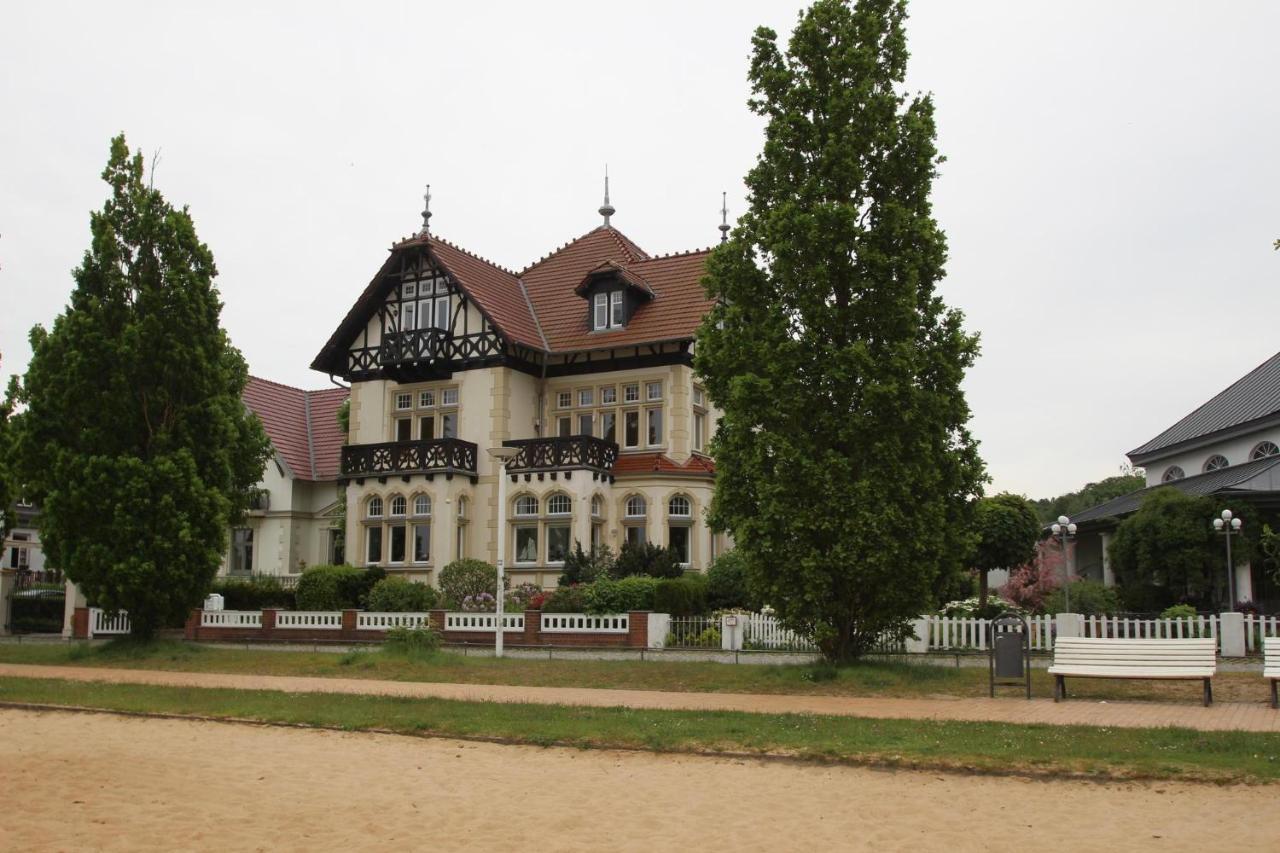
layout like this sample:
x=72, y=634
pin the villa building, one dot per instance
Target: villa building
x=296, y=517
x=1228, y=448
x=581, y=362
x=22, y=551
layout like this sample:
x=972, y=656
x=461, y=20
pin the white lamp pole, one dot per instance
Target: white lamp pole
x=1064, y=529
x=500, y=456
x=1228, y=527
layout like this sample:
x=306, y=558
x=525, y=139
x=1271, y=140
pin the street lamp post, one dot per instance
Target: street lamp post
x=1064, y=529
x=500, y=456
x=1228, y=527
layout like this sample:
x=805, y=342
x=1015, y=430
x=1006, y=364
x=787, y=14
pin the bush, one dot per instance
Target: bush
x=521, y=597
x=462, y=578
x=411, y=642
x=1091, y=598
x=581, y=567
x=970, y=608
x=619, y=596
x=727, y=584
x=647, y=560
x=685, y=596
x=399, y=595
x=1179, y=611
x=566, y=599
x=481, y=602
x=329, y=588
x=254, y=593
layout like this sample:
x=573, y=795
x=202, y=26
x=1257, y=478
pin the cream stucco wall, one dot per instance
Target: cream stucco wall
x=1237, y=450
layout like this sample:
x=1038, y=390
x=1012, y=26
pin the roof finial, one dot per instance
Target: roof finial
x=426, y=211
x=724, y=216
x=606, y=209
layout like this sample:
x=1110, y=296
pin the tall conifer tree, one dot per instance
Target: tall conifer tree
x=845, y=468
x=135, y=440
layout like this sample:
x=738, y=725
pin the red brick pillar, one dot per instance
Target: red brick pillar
x=192, y=629
x=638, y=629
x=80, y=623
x=349, y=624
x=268, y=624
x=437, y=621
x=532, y=628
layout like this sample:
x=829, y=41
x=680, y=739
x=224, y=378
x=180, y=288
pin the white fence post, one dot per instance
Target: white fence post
x=1069, y=624
x=731, y=629
x=1231, y=635
x=659, y=627
x=919, y=644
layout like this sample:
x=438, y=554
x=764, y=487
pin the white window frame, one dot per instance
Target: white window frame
x=564, y=399
x=403, y=401
x=631, y=393
x=615, y=310
x=627, y=415
x=653, y=416
x=427, y=399
x=440, y=313
x=449, y=397
x=521, y=499
x=630, y=502
x=608, y=395
x=421, y=506
x=586, y=397
x=398, y=506
x=600, y=312
x=408, y=316
x=559, y=499
x=653, y=391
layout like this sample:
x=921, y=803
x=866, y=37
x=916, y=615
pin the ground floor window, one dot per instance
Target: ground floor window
x=398, y=534
x=241, y=551
x=678, y=542
x=373, y=545
x=461, y=551
x=557, y=542
x=421, y=543
x=526, y=544
x=635, y=535
x=337, y=547
x=597, y=535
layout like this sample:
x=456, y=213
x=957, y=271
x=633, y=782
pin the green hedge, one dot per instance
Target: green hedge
x=399, y=595
x=254, y=593
x=336, y=587
x=683, y=596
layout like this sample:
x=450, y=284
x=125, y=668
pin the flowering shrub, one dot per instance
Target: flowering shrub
x=969, y=607
x=520, y=597
x=1031, y=584
x=482, y=602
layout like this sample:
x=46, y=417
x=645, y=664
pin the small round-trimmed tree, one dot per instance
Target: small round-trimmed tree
x=1007, y=530
x=1166, y=553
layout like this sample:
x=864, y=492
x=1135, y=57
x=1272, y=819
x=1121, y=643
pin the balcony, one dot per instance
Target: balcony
x=413, y=346
x=446, y=456
x=563, y=454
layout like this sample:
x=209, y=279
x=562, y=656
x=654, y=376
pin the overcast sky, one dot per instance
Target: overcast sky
x=1110, y=193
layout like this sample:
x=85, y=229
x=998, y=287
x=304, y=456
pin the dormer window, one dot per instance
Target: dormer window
x=600, y=312
x=607, y=311
x=613, y=295
x=615, y=309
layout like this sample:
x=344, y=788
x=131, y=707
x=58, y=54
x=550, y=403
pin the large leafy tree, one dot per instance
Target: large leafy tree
x=8, y=475
x=135, y=439
x=1091, y=495
x=1167, y=553
x=844, y=465
x=1007, y=531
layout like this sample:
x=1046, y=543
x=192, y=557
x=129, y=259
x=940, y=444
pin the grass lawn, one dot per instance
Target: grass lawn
x=867, y=679
x=1041, y=750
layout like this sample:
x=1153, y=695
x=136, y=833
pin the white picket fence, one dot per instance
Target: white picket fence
x=231, y=619
x=375, y=621
x=763, y=631
x=1258, y=628
x=1130, y=628
x=102, y=625
x=582, y=623
x=462, y=621
x=946, y=633
x=313, y=620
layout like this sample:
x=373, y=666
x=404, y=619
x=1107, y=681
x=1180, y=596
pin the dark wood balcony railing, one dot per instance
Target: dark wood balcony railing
x=446, y=456
x=563, y=454
x=415, y=345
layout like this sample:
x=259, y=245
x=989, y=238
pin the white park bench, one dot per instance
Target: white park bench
x=1271, y=665
x=1089, y=657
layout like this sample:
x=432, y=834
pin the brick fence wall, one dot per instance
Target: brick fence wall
x=636, y=637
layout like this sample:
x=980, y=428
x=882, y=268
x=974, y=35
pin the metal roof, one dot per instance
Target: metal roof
x=1253, y=396
x=1260, y=475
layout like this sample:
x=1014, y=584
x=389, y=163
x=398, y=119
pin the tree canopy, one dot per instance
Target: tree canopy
x=1048, y=509
x=1167, y=553
x=8, y=441
x=135, y=440
x=845, y=467
x=1007, y=531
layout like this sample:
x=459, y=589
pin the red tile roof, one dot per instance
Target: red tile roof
x=659, y=463
x=302, y=425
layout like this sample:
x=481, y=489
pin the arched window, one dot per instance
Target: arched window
x=422, y=505
x=1265, y=449
x=1215, y=462
x=462, y=507
x=399, y=506
x=526, y=505
x=374, y=508
x=559, y=505
x=636, y=507
x=1173, y=472
x=597, y=506
x=678, y=506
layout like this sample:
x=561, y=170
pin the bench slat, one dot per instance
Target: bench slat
x=1112, y=672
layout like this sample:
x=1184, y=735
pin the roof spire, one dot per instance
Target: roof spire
x=606, y=209
x=724, y=216
x=426, y=211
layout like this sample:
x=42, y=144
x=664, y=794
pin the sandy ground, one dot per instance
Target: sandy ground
x=1222, y=716
x=103, y=782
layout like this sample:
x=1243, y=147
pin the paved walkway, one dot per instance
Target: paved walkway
x=1223, y=716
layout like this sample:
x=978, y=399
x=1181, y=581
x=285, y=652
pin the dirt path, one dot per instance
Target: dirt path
x=1257, y=717
x=101, y=782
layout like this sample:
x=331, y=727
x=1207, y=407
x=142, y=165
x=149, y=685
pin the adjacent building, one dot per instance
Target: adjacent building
x=581, y=362
x=22, y=549
x=297, y=516
x=1227, y=448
